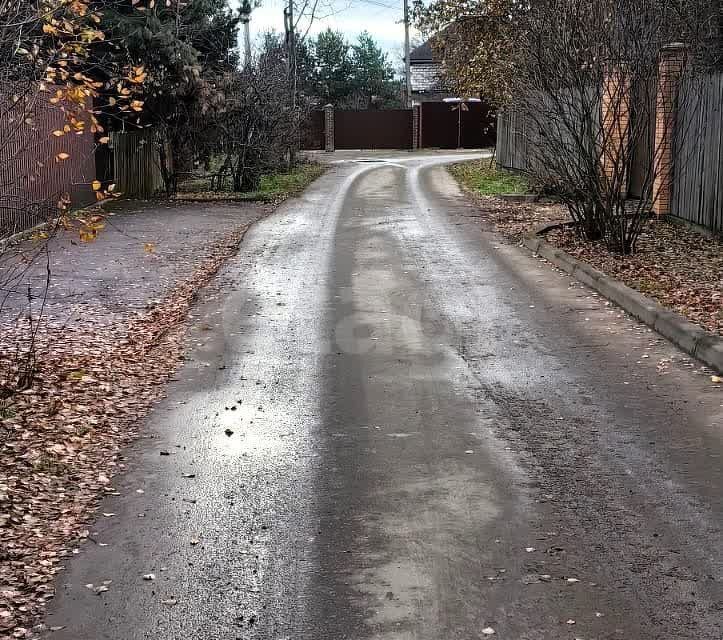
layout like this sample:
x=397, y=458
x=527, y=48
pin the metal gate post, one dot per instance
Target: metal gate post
x=416, y=127
x=329, y=128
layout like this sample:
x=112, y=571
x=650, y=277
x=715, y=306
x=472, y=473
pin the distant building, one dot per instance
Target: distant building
x=426, y=75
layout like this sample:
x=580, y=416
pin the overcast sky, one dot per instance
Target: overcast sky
x=382, y=18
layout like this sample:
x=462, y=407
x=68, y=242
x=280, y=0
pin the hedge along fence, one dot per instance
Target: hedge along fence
x=137, y=170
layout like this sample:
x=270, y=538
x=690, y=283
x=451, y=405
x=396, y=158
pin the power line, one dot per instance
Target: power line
x=380, y=4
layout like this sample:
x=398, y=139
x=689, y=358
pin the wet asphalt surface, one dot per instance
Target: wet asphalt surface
x=85, y=283
x=434, y=434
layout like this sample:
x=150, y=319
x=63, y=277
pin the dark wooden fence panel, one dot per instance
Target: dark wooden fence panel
x=698, y=163
x=642, y=130
x=312, y=132
x=373, y=129
x=446, y=126
x=31, y=179
x=136, y=163
x=511, y=141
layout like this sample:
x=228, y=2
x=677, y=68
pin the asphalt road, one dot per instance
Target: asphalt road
x=434, y=435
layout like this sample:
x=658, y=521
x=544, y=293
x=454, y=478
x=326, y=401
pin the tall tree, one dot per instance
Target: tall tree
x=333, y=67
x=372, y=75
x=476, y=40
x=184, y=47
x=357, y=75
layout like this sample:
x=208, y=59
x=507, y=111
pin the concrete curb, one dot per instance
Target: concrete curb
x=703, y=345
x=517, y=197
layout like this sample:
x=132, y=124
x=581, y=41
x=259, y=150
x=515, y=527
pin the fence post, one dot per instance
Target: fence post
x=416, y=127
x=329, y=128
x=670, y=67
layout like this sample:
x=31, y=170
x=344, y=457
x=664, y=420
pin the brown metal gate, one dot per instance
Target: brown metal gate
x=450, y=125
x=373, y=129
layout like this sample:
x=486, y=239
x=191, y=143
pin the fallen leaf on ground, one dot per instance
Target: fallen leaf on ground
x=126, y=357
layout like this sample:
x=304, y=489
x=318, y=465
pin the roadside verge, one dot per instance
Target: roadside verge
x=703, y=345
x=672, y=282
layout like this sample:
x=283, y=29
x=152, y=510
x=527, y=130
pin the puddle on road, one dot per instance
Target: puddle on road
x=255, y=431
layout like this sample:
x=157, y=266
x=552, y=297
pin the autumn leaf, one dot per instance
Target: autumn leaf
x=87, y=234
x=149, y=247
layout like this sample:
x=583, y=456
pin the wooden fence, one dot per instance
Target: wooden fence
x=137, y=171
x=512, y=141
x=698, y=163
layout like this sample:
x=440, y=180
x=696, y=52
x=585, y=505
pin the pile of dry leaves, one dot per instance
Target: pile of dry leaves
x=59, y=440
x=514, y=219
x=677, y=266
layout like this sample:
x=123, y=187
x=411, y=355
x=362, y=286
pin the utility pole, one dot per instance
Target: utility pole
x=245, y=19
x=291, y=44
x=407, y=61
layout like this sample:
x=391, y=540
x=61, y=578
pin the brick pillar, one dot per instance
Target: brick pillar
x=615, y=124
x=416, y=127
x=329, y=128
x=670, y=67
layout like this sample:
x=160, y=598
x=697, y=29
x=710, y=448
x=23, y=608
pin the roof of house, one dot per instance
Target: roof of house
x=422, y=53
